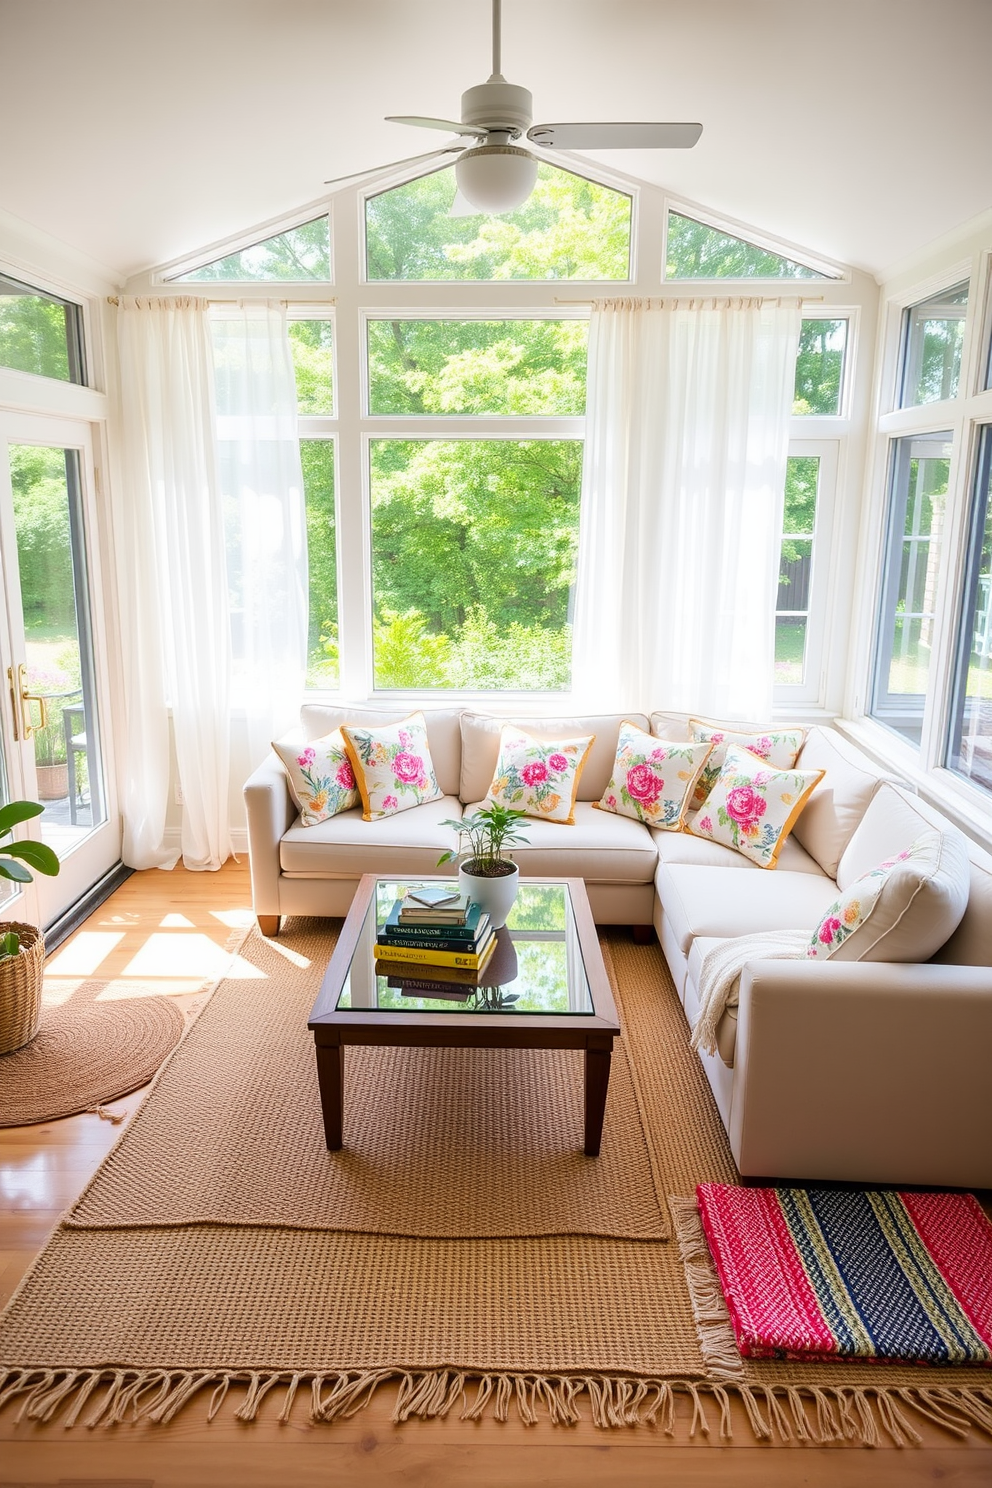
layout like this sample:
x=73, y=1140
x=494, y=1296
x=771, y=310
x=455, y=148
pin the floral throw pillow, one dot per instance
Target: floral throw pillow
x=392, y=765
x=903, y=910
x=538, y=777
x=752, y=808
x=780, y=747
x=653, y=779
x=320, y=777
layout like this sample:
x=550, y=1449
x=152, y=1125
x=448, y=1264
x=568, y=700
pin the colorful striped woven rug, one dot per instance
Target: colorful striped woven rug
x=817, y=1273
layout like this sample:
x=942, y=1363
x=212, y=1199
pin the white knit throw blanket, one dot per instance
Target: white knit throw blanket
x=720, y=975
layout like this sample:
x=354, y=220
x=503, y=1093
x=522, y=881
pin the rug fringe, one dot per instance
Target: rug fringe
x=714, y=1329
x=863, y=1415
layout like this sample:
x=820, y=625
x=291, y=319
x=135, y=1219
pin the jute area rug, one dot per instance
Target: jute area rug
x=460, y=1245
x=86, y=1053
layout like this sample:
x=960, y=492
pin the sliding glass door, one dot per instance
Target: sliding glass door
x=54, y=661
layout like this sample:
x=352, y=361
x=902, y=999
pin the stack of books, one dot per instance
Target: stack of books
x=436, y=936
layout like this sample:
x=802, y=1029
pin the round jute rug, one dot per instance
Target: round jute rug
x=84, y=1055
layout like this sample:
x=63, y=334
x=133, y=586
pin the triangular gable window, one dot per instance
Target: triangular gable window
x=300, y=255
x=698, y=251
x=568, y=228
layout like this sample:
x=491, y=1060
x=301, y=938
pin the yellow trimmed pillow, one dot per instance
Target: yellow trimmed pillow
x=779, y=746
x=752, y=808
x=392, y=765
x=538, y=777
x=653, y=779
x=321, y=780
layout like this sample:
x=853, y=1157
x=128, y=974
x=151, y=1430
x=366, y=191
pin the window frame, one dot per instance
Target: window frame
x=810, y=692
x=75, y=334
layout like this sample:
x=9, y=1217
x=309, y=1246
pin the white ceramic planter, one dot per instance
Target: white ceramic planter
x=496, y=895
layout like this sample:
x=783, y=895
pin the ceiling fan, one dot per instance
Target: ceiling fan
x=494, y=174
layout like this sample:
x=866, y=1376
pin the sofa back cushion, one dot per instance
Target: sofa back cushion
x=893, y=821
x=841, y=799
x=480, y=748
x=443, y=734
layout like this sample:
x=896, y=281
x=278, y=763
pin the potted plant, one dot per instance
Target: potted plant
x=486, y=874
x=22, y=947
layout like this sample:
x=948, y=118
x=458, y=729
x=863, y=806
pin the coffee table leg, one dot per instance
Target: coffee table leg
x=330, y=1080
x=597, y=1084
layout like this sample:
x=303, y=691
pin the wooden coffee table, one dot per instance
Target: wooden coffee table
x=544, y=988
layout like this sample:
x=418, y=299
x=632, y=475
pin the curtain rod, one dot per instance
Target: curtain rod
x=649, y=300
x=166, y=298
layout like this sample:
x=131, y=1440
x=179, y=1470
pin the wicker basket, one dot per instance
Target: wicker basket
x=20, y=987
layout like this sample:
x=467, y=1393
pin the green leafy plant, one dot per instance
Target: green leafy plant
x=490, y=831
x=17, y=859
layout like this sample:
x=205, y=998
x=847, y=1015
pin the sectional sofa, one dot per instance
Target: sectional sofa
x=867, y=1071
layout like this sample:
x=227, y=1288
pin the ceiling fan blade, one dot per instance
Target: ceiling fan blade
x=462, y=207
x=455, y=148
x=420, y=123
x=615, y=136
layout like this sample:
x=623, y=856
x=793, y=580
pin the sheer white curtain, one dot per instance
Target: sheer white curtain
x=211, y=561
x=172, y=584
x=261, y=485
x=682, y=499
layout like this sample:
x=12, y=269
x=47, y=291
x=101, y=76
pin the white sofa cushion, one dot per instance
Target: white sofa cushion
x=599, y=847
x=409, y=842
x=705, y=901
x=683, y=847
x=443, y=732
x=835, y=808
x=480, y=747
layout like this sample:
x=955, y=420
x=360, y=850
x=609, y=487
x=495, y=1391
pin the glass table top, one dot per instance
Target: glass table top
x=536, y=968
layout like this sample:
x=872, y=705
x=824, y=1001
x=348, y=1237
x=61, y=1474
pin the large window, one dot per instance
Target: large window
x=933, y=335
x=920, y=469
x=792, y=610
x=820, y=368
x=970, y=744
x=39, y=333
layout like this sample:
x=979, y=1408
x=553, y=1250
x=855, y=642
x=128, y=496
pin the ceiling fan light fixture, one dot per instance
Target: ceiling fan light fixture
x=496, y=178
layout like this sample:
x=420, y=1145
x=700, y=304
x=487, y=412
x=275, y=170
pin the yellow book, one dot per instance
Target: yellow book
x=428, y=956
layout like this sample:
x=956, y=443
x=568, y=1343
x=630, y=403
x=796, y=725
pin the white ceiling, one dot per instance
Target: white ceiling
x=140, y=130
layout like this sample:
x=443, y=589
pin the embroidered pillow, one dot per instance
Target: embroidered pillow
x=780, y=747
x=321, y=779
x=653, y=779
x=903, y=910
x=392, y=766
x=752, y=808
x=537, y=776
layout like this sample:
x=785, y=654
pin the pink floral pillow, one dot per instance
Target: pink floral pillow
x=752, y=808
x=903, y=910
x=653, y=779
x=780, y=747
x=392, y=765
x=538, y=777
x=321, y=779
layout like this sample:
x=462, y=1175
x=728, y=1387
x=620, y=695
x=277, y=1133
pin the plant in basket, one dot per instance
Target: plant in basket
x=22, y=947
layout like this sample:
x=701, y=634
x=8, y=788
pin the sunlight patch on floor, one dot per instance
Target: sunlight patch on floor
x=178, y=955
x=58, y=993
x=293, y=956
x=176, y=922
x=234, y=919
x=84, y=953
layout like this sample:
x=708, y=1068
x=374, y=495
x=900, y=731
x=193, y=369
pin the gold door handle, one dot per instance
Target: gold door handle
x=22, y=699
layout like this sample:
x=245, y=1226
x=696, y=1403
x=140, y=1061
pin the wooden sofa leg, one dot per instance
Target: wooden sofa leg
x=268, y=924
x=643, y=934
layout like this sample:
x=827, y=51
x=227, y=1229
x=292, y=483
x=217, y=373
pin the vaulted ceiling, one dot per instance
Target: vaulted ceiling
x=139, y=130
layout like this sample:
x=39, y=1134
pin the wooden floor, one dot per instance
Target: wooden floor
x=43, y=1168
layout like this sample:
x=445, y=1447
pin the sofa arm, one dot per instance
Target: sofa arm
x=867, y=1071
x=270, y=811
